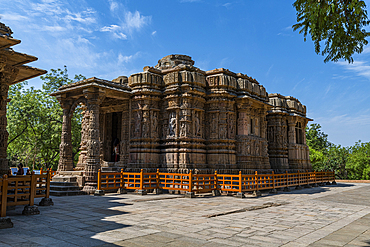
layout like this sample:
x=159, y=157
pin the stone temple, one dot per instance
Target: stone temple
x=176, y=117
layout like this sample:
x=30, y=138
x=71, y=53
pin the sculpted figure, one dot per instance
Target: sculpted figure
x=172, y=124
x=197, y=124
x=137, y=123
x=145, y=124
x=154, y=121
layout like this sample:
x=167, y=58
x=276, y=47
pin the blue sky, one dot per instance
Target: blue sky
x=109, y=38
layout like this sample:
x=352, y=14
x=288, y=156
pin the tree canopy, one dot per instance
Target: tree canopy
x=347, y=162
x=339, y=24
x=35, y=122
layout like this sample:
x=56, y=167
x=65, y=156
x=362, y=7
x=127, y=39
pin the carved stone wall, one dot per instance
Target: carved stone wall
x=183, y=120
x=286, y=134
x=221, y=120
x=176, y=117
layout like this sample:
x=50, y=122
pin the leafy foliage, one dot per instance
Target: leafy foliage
x=35, y=122
x=347, y=162
x=340, y=23
x=358, y=164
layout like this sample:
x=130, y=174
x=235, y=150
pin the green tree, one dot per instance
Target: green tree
x=358, y=164
x=35, y=122
x=338, y=23
x=325, y=155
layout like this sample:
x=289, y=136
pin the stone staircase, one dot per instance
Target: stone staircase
x=65, y=186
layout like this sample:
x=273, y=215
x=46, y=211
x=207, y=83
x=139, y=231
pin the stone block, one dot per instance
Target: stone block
x=99, y=193
x=216, y=193
x=141, y=192
x=189, y=194
x=240, y=195
x=257, y=193
x=122, y=191
x=5, y=223
x=30, y=210
x=273, y=191
x=286, y=189
x=46, y=202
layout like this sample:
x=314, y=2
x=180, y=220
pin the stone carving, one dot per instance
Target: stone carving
x=176, y=117
x=145, y=124
x=172, y=124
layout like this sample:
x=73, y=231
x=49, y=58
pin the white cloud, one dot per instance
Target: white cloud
x=124, y=59
x=132, y=22
x=120, y=36
x=135, y=21
x=113, y=5
x=361, y=68
x=111, y=28
x=13, y=17
x=53, y=28
x=154, y=32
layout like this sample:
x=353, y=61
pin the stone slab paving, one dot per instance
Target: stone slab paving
x=324, y=216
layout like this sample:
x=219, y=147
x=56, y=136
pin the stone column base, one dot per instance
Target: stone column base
x=99, y=193
x=31, y=210
x=240, y=195
x=157, y=191
x=216, y=193
x=286, y=189
x=334, y=183
x=122, y=191
x=298, y=187
x=273, y=191
x=46, y=202
x=307, y=186
x=141, y=192
x=5, y=223
x=189, y=194
x=257, y=193
x=89, y=189
x=328, y=183
x=314, y=185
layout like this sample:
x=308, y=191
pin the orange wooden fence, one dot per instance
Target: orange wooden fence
x=22, y=190
x=203, y=183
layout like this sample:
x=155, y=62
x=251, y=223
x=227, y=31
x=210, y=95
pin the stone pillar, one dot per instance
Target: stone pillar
x=94, y=98
x=7, y=76
x=3, y=132
x=65, y=147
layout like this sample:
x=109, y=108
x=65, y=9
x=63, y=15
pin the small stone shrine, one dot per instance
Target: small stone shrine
x=176, y=117
x=12, y=70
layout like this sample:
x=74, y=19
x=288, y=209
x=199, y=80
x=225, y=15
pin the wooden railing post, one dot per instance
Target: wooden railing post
x=122, y=180
x=256, y=192
x=157, y=179
x=273, y=180
x=47, y=185
x=32, y=188
x=4, y=195
x=99, y=179
x=41, y=170
x=240, y=181
x=190, y=181
x=141, y=179
x=216, y=178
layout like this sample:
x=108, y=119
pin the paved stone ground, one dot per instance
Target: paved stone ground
x=324, y=216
